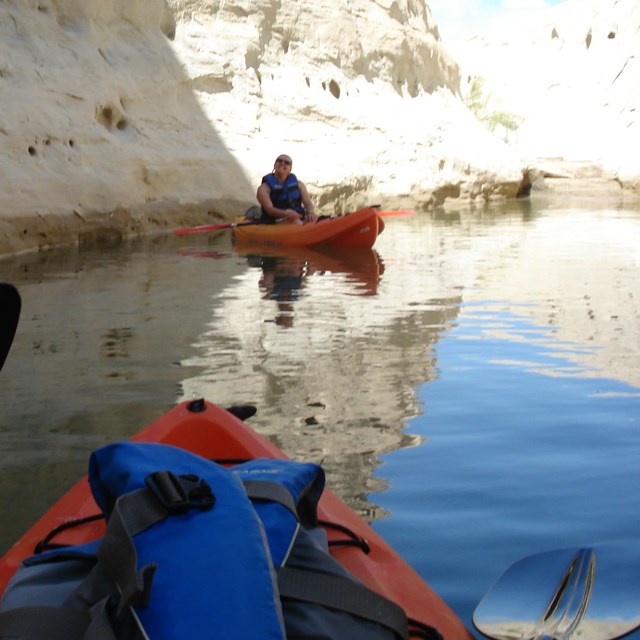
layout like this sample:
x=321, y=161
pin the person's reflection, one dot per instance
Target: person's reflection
x=284, y=275
x=281, y=281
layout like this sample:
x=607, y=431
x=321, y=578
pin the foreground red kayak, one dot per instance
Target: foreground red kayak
x=215, y=433
x=355, y=230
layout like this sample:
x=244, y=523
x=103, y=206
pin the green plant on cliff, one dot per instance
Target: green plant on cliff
x=482, y=104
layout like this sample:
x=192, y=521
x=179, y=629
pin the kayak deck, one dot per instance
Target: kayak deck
x=212, y=432
x=357, y=230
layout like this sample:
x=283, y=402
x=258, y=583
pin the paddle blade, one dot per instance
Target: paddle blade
x=10, y=305
x=397, y=213
x=203, y=229
x=591, y=592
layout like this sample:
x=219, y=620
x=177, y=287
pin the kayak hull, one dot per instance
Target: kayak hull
x=212, y=432
x=355, y=230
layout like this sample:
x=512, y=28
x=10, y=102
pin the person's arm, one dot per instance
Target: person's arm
x=264, y=198
x=307, y=202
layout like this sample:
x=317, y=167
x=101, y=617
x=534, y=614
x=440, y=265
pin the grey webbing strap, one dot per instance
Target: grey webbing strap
x=100, y=627
x=272, y=492
x=342, y=594
x=133, y=513
x=43, y=623
x=57, y=623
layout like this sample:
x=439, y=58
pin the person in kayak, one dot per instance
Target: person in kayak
x=283, y=197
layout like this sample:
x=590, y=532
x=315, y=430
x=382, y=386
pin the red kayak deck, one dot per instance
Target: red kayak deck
x=357, y=230
x=216, y=434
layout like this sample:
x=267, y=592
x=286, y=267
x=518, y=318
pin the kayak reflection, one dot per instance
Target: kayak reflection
x=285, y=271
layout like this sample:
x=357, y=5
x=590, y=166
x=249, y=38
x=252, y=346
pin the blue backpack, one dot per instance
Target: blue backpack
x=196, y=550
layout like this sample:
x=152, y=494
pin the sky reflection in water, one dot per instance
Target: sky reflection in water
x=525, y=448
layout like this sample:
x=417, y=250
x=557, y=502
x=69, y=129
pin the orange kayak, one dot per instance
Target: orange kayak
x=212, y=432
x=356, y=230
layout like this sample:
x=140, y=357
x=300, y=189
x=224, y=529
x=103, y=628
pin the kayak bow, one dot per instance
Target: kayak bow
x=215, y=433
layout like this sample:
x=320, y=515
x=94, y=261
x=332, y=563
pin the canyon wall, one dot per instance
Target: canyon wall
x=121, y=117
x=570, y=76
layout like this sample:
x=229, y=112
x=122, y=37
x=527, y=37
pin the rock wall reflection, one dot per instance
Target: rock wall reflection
x=331, y=372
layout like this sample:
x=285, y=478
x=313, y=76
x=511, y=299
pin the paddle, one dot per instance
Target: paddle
x=210, y=227
x=231, y=225
x=10, y=305
x=395, y=214
x=589, y=592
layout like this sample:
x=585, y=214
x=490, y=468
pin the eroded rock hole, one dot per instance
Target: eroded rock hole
x=335, y=89
x=105, y=117
x=168, y=26
x=110, y=116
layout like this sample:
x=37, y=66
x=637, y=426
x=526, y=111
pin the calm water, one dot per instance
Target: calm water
x=472, y=385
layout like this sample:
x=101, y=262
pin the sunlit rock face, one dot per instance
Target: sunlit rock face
x=124, y=117
x=571, y=73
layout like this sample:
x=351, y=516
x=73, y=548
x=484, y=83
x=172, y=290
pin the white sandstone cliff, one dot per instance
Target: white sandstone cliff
x=571, y=73
x=125, y=116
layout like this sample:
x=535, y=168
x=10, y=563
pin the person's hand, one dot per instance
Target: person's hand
x=311, y=217
x=291, y=216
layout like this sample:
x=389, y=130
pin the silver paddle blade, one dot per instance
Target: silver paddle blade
x=582, y=593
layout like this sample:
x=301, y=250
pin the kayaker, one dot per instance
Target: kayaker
x=283, y=197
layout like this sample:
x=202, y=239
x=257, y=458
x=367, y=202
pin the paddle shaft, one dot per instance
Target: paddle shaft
x=210, y=227
x=232, y=225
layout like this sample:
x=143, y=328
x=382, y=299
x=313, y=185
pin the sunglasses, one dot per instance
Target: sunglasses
x=283, y=160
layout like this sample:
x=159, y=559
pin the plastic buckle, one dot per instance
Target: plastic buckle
x=178, y=494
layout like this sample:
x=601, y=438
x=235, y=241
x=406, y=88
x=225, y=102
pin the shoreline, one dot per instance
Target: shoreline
x=548, y=178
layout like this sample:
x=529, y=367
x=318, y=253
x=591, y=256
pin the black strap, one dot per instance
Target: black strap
x=352, y=538
x=46, y=545
x=270, y=492
x=133, y=513
x=342, y=594
x=423, y=630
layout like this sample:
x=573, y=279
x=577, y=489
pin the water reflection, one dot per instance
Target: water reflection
x=109, y=339
x=281, y=281
x=332, y=377
x=286, y=270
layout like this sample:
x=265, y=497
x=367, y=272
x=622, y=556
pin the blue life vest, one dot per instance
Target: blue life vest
x=284, y=195
x=199, y=565
x=190, y=548
x=196, y=550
